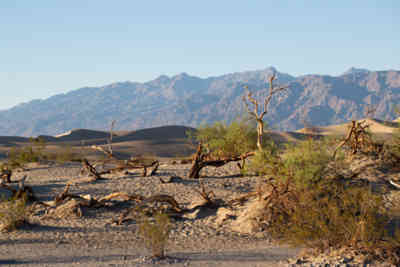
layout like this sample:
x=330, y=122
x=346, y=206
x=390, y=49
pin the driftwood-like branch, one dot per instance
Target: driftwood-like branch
x=23, y=191
x=130, y=164
x=394, y=184
x=200, y=161
x=135, y=164
x=208, y=197
x=5, y=175
x=91, y=170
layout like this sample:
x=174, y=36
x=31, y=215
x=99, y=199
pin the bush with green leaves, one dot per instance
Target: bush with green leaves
x=306, y=162
x=226, y=140
x=311, y=204
x=155, y=233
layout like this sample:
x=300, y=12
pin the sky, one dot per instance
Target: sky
x=49, y=47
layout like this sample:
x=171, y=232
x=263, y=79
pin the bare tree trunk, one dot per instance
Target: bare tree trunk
x=260, y=131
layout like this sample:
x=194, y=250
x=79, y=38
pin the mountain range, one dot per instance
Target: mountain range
x=188, y=100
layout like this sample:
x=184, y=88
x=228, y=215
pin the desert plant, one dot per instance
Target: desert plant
x=335, y=214
x=226, y=140
x=305, y=162
x=155, y=232
x=32, y=152
x=13, y=213
x=308, y=203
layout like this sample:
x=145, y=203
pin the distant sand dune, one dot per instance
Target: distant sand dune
x=376, y=126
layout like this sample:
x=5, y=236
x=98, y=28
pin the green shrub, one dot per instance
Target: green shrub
x=224, y=140
x=265, y=162
x=310, y=204
x=155, y=233
x=306, y=162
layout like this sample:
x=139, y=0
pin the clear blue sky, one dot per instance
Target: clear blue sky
x=49, y=47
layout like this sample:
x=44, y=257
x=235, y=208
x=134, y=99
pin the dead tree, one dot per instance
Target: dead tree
x=258, y=115
x=358, y=138
x=202, y=159
x=109, y=141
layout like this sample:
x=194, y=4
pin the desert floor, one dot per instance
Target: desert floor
x=94, y=240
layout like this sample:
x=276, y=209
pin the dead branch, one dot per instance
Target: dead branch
x=122, y=195
x=200, y=160
x=208, y=197
x=5, y=175
x=23, y=191
x=357, y=139
x=135, y=164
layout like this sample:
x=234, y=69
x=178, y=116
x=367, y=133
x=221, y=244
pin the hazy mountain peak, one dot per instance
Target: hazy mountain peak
x=354, y=70
x=271, y=69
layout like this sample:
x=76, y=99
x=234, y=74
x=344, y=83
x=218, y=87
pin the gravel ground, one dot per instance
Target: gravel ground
x=198, y=240
x=93, y=240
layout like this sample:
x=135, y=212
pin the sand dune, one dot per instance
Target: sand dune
x=376, y=126
x=81, y=134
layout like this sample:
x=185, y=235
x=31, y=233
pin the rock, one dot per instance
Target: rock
x=171, y=179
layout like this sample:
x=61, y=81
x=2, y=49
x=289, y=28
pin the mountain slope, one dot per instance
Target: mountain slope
x=188, y=100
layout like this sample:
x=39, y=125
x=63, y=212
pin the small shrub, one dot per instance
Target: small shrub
x=13, y=214
x=392, y=148
x=33, y=152
x=334, y=214
x=224, y=140
x=155, y=233
x=306, y=162
x=266, y=161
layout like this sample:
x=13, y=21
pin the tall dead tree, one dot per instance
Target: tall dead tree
x=256, y=113
x=110, y=139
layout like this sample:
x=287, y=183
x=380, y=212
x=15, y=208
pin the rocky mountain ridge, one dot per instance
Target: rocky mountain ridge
x=189, y=100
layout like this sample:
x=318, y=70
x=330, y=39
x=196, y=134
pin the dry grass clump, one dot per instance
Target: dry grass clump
x=309, y=203
x=13, y=214
x=334, y=215
x=64, y=154
x=155, y=233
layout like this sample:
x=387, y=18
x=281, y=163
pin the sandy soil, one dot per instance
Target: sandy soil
x=94, y=240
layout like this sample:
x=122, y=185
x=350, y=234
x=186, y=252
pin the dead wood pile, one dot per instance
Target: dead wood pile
x=202, y=159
